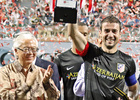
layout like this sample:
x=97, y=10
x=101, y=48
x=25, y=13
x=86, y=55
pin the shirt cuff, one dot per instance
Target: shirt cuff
x=47, y=85
x=25, y=88
x=84, y=52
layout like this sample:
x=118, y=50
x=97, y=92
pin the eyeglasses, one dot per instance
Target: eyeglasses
x=26, y=50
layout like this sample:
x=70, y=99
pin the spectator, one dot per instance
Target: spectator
x=24, y=80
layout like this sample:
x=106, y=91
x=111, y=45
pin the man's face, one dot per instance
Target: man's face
x=110, y=34
x=83, y=30
x=26, y=58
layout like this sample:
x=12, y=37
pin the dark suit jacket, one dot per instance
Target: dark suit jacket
x=139, y=78
x=44, y=64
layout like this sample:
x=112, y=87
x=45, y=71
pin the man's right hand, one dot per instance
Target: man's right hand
x=31, y=77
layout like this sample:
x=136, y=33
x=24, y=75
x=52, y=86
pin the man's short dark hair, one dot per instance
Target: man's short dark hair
x=111, y=19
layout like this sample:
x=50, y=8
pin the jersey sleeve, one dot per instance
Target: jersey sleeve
x=84, y=52
x=89, y=52
x=130, y=77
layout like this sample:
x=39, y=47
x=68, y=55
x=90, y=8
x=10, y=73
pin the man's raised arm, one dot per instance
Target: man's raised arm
x=78, y=39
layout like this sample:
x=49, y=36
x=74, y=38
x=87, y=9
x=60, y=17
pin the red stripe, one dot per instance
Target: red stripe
x=84, y=52
x=81, y=3
x=53, y=5
x=90, y=5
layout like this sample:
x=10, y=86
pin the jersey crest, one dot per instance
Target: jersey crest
x=120, y=67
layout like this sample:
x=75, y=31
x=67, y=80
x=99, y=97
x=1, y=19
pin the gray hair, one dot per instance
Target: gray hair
x=21, y=36
x=17, y=42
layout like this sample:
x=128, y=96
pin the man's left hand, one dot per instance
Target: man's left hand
x=48, y=74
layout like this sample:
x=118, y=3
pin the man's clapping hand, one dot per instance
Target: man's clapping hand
x=48, y=74
x=31, y=77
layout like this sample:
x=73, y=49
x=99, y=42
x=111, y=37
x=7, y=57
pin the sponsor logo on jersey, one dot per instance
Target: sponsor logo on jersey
x=121, y=67
x=72, y=75
x=107, y=74
x=69, y=68
x=93, y=66
x=96, y=59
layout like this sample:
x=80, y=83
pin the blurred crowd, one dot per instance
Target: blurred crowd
x=15, y=18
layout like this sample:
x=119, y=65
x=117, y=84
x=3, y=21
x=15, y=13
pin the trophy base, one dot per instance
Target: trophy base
x=66, y=15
